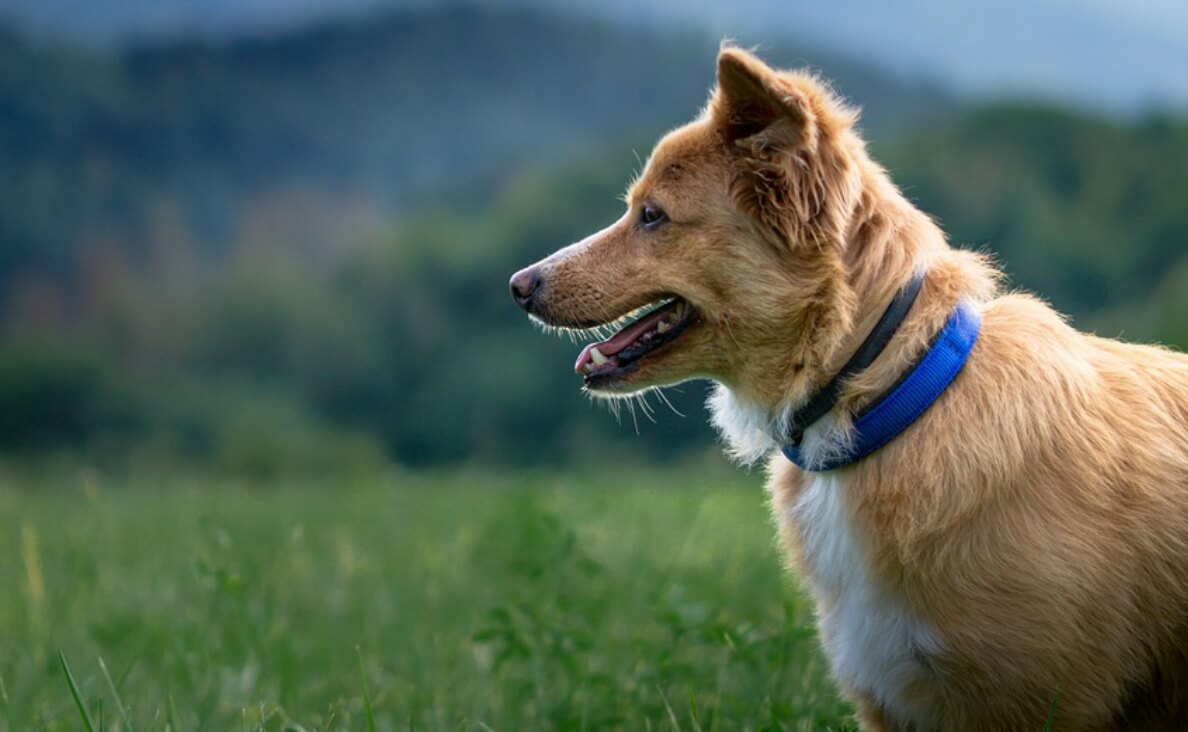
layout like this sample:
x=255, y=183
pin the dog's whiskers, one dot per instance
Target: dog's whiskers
x=644, y=407
x=615, y=409
x=600, y=332
x=664, y=398
x=631, y=407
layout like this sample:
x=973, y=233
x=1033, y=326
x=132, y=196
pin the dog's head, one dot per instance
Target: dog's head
x=732, y=245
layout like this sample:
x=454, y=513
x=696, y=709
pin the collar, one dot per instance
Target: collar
x=896, y=409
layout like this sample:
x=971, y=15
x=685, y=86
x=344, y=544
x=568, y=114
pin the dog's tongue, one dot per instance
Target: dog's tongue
x=622, y=339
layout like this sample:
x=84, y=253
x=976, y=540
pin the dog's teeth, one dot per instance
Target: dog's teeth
x=588, y=367
x=662, y=327
x=597, y=356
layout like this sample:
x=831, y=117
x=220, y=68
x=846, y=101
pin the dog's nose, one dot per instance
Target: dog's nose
x=524, y=285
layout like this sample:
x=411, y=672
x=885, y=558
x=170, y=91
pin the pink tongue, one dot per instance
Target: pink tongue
x=622, y=339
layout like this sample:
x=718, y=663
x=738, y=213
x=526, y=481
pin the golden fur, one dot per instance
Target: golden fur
x=1034, y=519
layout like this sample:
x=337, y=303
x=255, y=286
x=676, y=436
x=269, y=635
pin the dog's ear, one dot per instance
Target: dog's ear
x=784, y=133
x=754, y=107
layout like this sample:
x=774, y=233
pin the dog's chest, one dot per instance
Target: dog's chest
x=875, y=645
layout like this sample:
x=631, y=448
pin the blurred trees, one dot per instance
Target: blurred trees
x=406, y=344
x=214, y=255
x=355, y=120
x=1090, y=213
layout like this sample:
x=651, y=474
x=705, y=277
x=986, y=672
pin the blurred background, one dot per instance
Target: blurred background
x=274, y=235
x=248, y=245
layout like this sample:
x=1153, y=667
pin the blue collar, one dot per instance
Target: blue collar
x=895, y=411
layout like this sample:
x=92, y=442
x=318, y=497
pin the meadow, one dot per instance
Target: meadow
x=466, y=600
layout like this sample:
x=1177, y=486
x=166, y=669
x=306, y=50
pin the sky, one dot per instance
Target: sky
x=1116, y=55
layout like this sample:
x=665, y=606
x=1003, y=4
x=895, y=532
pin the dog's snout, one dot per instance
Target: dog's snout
x=524, y=285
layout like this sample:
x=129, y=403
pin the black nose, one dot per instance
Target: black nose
x=524, y=285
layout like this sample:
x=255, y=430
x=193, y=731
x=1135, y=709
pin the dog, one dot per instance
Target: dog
x=989, y=508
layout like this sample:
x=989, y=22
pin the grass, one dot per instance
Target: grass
x=83, y=714
x=429, y=602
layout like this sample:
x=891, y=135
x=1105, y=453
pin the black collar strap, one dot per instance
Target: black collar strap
x=826, y=399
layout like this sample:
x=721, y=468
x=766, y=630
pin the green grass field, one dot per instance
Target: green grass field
x=449, y=602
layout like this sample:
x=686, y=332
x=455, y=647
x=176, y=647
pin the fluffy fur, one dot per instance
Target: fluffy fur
x=1025, y=539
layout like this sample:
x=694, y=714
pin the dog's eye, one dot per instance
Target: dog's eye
x=651, y=216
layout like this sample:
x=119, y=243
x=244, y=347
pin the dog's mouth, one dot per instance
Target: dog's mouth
x=661, y=324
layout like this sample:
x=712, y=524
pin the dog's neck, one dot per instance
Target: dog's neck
x=889, y=240
x=753, y=428
x=826, y=398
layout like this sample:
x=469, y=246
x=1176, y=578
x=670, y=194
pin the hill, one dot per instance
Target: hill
x=1106, y=55
x=213, y=144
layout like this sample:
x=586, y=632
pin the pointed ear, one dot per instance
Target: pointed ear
x=751, y=99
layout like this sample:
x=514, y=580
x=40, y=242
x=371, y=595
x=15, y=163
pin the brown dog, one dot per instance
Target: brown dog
x=1020, y=543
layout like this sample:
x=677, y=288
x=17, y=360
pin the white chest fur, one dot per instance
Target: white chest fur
x=874, y=644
